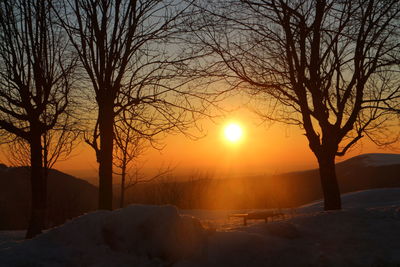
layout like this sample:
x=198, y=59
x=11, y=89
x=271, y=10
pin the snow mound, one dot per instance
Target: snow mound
x=137, y=235
x=361, y=199
x=11, y=238
x=354, y=237
x=367, y=234
x=351, y=237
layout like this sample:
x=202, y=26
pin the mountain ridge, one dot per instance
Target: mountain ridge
x=68, y=197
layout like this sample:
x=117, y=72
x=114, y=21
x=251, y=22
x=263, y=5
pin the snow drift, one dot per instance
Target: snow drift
x=138, y=235
x=361, y=199
x=366, y=233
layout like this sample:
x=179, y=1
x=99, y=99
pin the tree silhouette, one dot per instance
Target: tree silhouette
x=128, y=146
x=129, y=52
x=326, y=66
x=35, y=82
x=57, y=143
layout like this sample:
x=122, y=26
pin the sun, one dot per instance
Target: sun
x=233, y=132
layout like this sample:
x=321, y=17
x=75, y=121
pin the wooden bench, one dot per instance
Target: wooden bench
x=262, y=215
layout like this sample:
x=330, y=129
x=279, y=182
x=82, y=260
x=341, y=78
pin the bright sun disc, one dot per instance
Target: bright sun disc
x=233, y=132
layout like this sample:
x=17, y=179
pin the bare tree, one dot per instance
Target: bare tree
x=128, y=146
x=130, y=53
x=326, y=66
x=57, y=143
x=135, y=176
x=17, y=152
x=35, y=71
x=132, y=138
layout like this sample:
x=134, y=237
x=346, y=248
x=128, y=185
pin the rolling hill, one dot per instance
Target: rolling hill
x=68, y=197
x=362, y=172
x=366, y=171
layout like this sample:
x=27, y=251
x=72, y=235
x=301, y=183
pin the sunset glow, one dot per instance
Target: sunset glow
x=233, y=132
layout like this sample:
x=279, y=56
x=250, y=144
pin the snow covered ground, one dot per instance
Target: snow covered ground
x=365, y=233
x=10, y=238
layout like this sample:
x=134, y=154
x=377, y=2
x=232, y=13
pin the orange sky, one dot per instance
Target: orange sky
x=274, y=149
x=264, y=149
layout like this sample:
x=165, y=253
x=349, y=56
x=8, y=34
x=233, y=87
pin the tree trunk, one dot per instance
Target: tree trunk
x=123, y=176
x=106, y=121
x=329, y=183
x=45, y=167
x=38, y=188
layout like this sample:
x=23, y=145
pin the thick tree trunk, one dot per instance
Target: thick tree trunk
x=106, y=121
x=329, y=183
x=38, y=188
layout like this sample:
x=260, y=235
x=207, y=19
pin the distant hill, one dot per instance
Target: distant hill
x=70, y=197
x=362, y=172
x=367, y=171
x=372, y=159
x=67, y=197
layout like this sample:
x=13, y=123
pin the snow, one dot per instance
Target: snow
x=365, y=233
x=361, y=199
x=137, y=235
x=10, y=238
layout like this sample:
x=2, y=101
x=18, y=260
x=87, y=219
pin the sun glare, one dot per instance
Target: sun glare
x=233, y=132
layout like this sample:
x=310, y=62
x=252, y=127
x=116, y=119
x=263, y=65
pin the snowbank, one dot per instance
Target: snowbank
x=11, y=238
x=353, y=237
x=361, y=199
x=347, y=238
x=366, y=234
x=137, y=235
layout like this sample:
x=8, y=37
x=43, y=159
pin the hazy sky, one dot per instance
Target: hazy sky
x=263, y=148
